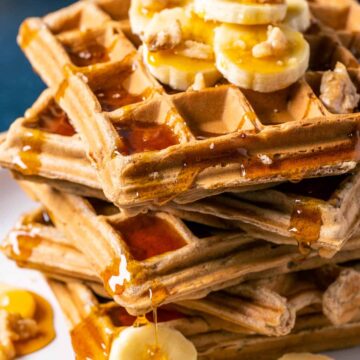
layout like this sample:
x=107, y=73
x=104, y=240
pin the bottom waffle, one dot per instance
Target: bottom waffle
x=83, y=312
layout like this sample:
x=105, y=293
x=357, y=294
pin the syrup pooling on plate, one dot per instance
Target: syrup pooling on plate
x=53, y=120
x=28, y=316
x=145, y=136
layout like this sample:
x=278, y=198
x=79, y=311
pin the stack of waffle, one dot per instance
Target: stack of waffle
x=233, y=213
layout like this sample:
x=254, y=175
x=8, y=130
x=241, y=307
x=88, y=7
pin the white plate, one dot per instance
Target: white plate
x=13, y=203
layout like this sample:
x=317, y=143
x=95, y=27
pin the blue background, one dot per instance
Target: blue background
x=20, y=86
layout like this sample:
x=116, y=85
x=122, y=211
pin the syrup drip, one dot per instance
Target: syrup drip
x=139, y=137
x=93, y=336
x=87, y=54
x=305, y=224
x=28, y=160
x=26, y=35
x=147, y=236
x=53, y=120
x=22, y=245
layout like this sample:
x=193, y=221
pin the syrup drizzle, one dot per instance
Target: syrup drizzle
x=140, y=136
x=92, y=337
x=53, y=120
x=146, y=236
x=28, y=160
x=27, y=35
x=22, y=244
x=305, y=224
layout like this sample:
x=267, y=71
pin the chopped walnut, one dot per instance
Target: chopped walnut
x=163, y=32
x=337, y=91
x=14, y=328
x=199, y=83
x=275, y=44
x=195, y=50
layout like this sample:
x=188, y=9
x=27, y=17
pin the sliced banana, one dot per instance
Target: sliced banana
x=142, y=11
x=136, y=343
x=298, y=15
x=178, y=48
x=245, y=12
x=261, y=58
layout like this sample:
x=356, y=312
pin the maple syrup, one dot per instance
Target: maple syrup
x=29, y=305
x=93, y=336
x=143, y=136
x=148, y=235
x=26, y=35
x=305, y=224
x=53, y=120
x=256, y=34
x=44, y=320
x=88, y=53
x=27, y=159
x=21, y=244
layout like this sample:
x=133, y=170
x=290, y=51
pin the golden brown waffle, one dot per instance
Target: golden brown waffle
x=92, y=324
x=260, y=306
x=313, y=333
x=319, y=213
x=43, y=144
x=194, y=263
x=196, y=157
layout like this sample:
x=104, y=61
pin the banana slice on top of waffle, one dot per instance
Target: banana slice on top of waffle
x=297, y=15
x=246, y=12
x=178, y=49
x=261, y=58
x=142, y=11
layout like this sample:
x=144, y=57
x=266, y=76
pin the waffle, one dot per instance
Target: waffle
x=330, y=216
x=318, y=213
x=196, y=157
x=259, y=310
x=81, y=309
x=93, y=324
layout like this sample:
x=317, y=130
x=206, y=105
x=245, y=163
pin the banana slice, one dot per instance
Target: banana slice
x=178, y=49
x=136, y=343
x=298, y=15
x=142, y=11
x=245, y=12
x=261, y=58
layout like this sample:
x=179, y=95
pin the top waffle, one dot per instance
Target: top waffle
x=149, y=147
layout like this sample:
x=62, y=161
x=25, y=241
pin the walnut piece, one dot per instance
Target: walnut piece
x=275, y=44
x=163, y=32
x=14, y=328
x=337, y=91
x=199, y=82
x=195, y=50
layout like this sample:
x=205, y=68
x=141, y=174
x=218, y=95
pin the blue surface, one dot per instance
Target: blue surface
x=19, y=85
